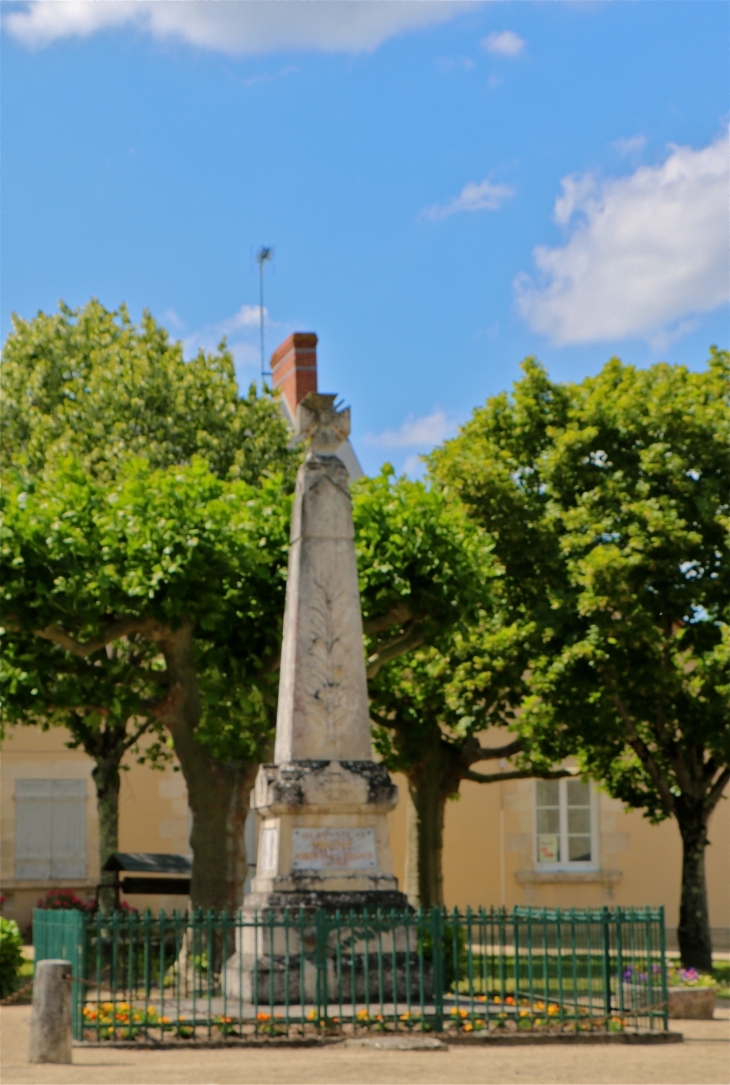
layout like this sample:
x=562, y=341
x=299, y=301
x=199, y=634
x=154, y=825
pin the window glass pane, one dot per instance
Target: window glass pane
x=547, y=792
x=578, y=793
x=548, y=820
x=579, y=820
x=579, y=849
x=548, y=848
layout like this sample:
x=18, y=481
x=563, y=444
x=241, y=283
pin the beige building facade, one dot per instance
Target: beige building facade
x=506, y=844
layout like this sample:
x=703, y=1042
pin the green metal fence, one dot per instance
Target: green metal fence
x=304, y=974
x=61, y=935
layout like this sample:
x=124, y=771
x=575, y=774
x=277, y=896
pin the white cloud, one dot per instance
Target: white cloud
x=236, y=27
x=645, y=252
x=630, y=145
x=414, y=467
x=483, y=196
x=427, y=430
x=503, y=43
x=242, y=334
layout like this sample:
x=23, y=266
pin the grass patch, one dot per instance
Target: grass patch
x=721, y=972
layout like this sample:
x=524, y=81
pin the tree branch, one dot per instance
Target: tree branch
x=518, y=774
x=398, y=646
x=490, y=753
x=137, y=734
x=398, y=615
x=716, y=791
x=113, y=631
x=644, y=754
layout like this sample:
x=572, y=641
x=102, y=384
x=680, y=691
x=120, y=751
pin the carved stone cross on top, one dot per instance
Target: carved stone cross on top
x=320, y=423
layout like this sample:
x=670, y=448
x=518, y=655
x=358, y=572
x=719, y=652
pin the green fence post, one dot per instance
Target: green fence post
x=663, y=967
x=438, y=967
x=606, y=937
x=321, y=962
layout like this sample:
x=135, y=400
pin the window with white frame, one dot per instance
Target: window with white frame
x=565, y=823
x=50, y=829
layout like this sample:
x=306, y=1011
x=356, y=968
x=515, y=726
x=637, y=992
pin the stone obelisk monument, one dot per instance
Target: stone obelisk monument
x=324, y=801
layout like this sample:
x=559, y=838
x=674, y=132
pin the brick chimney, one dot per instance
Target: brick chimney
x=294, y=369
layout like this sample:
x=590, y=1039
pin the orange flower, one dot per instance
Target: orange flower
x=262, y=1016
x=509, y=1000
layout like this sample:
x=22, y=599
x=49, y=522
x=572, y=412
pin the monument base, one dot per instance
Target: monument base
x=289, y=953
x=331, y=900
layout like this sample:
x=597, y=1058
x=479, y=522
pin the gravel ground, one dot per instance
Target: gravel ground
x=702, y=1060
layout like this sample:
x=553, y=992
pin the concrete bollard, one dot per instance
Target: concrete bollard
x=50, y=1024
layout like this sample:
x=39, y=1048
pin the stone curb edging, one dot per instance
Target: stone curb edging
x=513, y=1039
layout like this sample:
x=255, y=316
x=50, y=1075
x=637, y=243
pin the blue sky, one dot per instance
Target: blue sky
x=448, y=186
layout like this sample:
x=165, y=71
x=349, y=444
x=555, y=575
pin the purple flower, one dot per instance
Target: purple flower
x=627, y=974
x=656, y=968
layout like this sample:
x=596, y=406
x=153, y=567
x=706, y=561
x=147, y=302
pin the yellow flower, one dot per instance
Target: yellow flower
x=404, y=1016
x=312, y=1015
x=463, y=1013
x=468, y=1027
x=165, y=1020
x=552, y=1010
x=454, y=1012
x=524, y=1013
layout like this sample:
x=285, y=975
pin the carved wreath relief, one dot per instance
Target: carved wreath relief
x=326, y=692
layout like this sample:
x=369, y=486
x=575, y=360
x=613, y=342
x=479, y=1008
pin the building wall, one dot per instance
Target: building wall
x=153, y=815
x=488, y=845
x=489, y=856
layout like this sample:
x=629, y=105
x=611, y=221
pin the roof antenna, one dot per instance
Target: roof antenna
x=265, y=253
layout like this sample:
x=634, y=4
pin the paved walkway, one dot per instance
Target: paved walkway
x=704, y=1059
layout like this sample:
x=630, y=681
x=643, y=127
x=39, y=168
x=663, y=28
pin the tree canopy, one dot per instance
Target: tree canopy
x=609, y=506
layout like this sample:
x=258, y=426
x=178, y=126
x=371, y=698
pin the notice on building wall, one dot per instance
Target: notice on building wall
x=548, y=849
x=328, y=849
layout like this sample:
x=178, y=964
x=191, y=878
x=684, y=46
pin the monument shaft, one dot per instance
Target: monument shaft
x=324, y=801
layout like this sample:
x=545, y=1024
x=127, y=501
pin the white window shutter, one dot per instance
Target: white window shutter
x=50, y=829
x=33, y=829
x=68, y=829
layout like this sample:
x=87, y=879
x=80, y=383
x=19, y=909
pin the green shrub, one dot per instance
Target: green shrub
x=11, y=957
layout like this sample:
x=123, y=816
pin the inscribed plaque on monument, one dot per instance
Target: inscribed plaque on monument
x=325, y=849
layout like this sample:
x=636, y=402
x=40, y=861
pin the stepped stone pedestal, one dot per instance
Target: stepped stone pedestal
x=324, y=801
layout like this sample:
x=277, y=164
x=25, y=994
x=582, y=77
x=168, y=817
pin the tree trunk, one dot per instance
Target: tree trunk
x=106, y=779
x=695, y=940
x=218, y=793
x=428, y=800
x=237, y=859
x=410, y=886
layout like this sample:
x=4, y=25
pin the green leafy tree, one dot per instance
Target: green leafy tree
x=424, y=567
x=431, y=709
x=609, y=505
x=441, y=667
x=91, y=384
x=183, y=568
